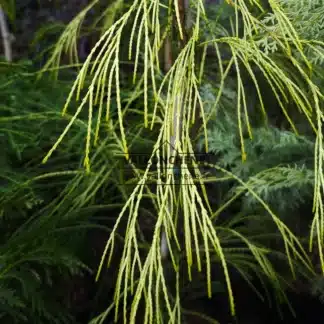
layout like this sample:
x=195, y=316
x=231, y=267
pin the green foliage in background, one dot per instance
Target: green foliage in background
x=307, y=19
x=40, y=238
x=36, y=253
